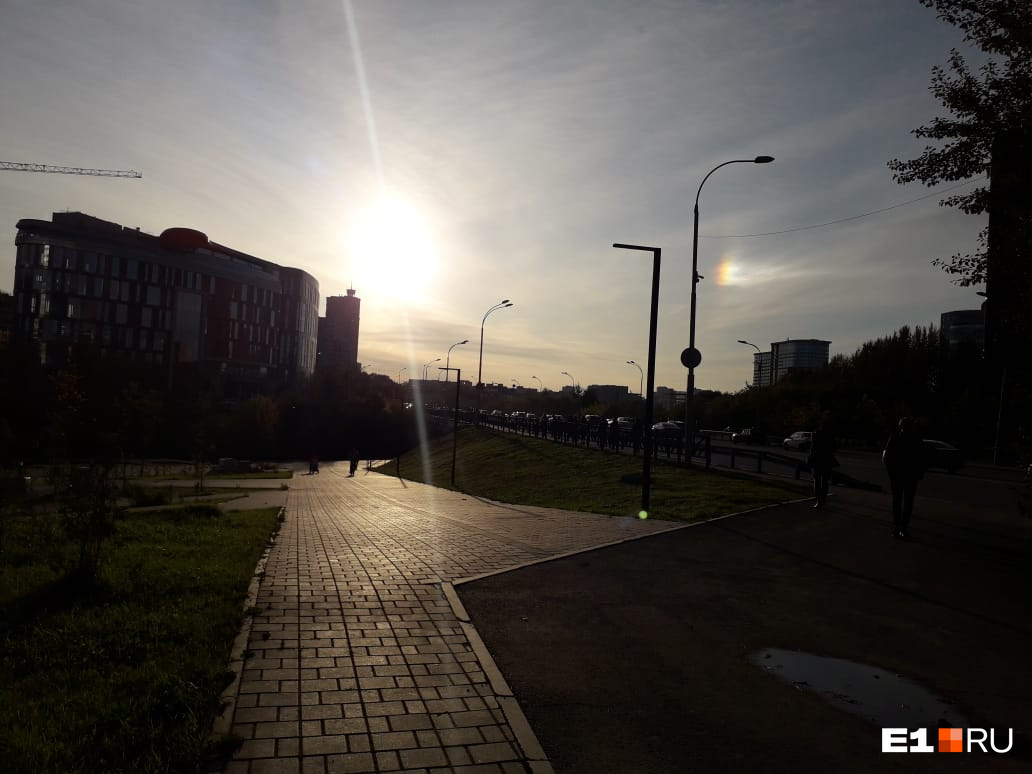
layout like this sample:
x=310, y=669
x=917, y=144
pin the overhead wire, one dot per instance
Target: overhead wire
x=844, y=220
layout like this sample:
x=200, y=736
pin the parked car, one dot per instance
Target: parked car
x=940, y=454
x=748, y=435
x=801, y=440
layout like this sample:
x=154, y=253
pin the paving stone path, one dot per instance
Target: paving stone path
x=358, y=661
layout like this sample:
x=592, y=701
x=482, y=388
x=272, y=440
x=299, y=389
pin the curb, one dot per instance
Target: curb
x=228, y=699
x=527, y=740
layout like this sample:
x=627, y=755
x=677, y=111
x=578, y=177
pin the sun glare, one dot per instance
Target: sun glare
x=391, y=250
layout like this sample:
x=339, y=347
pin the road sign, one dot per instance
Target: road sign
x=691, y=357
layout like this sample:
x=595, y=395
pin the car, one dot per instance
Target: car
x=748, y=435
x=666, y=429
x=801, y=440
x=939, y=454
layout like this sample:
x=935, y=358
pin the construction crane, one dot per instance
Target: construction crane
x=16, y=166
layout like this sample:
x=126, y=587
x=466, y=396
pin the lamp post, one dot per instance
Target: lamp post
x=540, y=383
x=646, y=472
x=573, y=383
x=447, y=362
x=641, y=378
x=435, y=360
x=743, y=341
x=692, y=357
x=503, y=304
x=455, y=421
x=399, y=374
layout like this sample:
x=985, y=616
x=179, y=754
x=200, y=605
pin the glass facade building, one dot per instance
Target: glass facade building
x=170, y=299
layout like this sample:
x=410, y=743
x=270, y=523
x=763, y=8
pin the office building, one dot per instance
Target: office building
x=610, y=394
x=338, y=332
x=962, y=327
x=788, y=355
x=169, y=300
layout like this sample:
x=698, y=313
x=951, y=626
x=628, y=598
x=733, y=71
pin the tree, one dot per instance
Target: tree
x=992, y=102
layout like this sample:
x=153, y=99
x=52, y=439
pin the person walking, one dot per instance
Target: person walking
x=821, y=460
x=354, y=462
x=904, y=459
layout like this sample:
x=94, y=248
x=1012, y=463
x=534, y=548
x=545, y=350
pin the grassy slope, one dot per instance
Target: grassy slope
x=531, y=471
x=124, y=677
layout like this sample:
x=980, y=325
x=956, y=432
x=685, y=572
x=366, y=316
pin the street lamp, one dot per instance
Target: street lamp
x=646, y=473
x=503, y=304
x=755, y=367
x=399, y=374
x=692, y=357
x=540, y=383
x=572, y=382
x=641, y=375
x=436, y=360
x=447, y=363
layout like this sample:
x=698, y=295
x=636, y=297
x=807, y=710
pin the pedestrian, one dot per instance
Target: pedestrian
x=821, y=460
x=904, y=459
x=354, y=462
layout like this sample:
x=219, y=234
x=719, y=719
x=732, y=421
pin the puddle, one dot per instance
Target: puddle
x=883, y=698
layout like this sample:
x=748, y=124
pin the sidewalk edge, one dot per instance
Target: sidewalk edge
x=526, y=739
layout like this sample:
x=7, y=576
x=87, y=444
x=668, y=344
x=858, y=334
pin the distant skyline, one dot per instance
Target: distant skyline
x=440, y=157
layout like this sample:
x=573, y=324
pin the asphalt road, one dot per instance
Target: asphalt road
x=633, y=658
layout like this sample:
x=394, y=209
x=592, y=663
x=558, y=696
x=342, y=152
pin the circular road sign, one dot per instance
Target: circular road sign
x=691, y=357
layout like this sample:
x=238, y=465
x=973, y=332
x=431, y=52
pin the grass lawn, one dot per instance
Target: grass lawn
x=532, y=471
x=124, y=676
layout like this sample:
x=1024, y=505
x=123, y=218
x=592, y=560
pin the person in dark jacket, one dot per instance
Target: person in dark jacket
x=821, y=460
x=904, y=459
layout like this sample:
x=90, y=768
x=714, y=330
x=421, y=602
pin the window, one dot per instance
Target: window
x=113, y=289
x=131, y=270
x=145, y=317
x=44, y=256
x=89, y=262
x=153, y=295
x=122, y=314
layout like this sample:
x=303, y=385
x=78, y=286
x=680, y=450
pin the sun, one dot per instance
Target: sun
x=391, y=250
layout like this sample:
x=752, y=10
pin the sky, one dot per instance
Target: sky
x=441, y=156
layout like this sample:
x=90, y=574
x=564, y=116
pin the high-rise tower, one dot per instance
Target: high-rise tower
x=338, y=331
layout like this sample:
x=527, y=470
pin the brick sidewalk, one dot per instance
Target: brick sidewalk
x=360, y=664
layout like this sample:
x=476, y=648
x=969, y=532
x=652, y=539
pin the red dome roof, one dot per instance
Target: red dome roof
x=183, y=239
